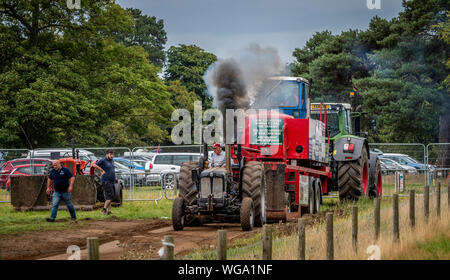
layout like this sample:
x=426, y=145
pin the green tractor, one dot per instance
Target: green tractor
x=356, y=170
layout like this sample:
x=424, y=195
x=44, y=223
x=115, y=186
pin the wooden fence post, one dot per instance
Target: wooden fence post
x=222, y=245
x=330, y=234
x=168, y=248
x=355, y=228
x=395, y=218
x=267, y=242
x=92, y=248
x=438, y=199
x=376, y=215
x=412, y=208
x=301, y=239
x=426, y=202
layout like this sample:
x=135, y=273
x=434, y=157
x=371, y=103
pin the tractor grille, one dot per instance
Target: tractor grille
x=206, y=187
x=218, y=187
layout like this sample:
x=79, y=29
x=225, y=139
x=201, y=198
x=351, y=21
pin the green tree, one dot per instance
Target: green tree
x=181, y=97
x=188, y=64
x=65, y=77
x=148, y=32
x=397, y=68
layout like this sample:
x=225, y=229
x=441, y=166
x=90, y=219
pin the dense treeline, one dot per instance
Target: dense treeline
x=397, y=68
x=92, y=74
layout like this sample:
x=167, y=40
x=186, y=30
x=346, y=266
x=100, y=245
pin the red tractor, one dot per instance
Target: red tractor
x=279, y=169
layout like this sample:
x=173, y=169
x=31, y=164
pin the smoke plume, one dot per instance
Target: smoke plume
x=234, y=82
x=231, y=90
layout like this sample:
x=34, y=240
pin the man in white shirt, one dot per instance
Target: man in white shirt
x=218, y=157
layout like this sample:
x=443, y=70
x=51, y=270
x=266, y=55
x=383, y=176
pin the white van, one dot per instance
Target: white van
x=169, y=162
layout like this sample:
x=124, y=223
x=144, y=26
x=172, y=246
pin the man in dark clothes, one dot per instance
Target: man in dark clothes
x=106, y=167
x=62, y=179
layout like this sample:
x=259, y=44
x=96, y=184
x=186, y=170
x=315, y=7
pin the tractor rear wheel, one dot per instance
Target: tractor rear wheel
x=254, y=186
x=247, y=214
x=188, y=190
x=178, y=214
x=353, y=177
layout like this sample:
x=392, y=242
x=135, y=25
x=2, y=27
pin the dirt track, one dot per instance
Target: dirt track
x=119, y=239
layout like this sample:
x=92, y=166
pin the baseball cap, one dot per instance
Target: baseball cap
x=217, y=145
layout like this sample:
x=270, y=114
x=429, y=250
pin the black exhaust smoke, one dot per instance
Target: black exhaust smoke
x=231, y=92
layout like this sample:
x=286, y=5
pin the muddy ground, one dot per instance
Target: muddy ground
x=119, y=239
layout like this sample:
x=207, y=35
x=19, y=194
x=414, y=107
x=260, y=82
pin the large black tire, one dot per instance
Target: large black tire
x=178, y=214
x=247, y=214
x=317, y=196
x=376, y=189
x=311, y=197
x=119, y=197
x=98, y=186
x=352, y=176
x=188, y=190
x=254, y=186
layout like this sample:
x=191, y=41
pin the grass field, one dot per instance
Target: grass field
x=421, y=243
x=12, y=221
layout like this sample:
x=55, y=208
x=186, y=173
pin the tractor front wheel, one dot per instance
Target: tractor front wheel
x=178, y=214
x=377, y=188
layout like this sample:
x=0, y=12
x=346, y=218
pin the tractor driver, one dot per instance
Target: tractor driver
x=218, y=157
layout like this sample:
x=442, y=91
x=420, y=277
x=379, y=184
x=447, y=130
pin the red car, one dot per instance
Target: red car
x=9, y=166
x=25, y=170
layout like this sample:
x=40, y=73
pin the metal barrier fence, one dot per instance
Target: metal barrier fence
x=162, y=167
x=152, y=173
x=438, y=158
x=407, y=158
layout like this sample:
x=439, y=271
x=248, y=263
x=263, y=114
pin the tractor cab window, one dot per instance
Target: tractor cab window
x=333, y=121
x=276, y=93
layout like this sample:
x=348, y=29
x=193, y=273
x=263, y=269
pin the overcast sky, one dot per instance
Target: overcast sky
x=221, y=26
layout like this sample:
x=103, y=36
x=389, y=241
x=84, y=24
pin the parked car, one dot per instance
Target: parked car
x=129, y=164
x=403, y=159
x=126, y=174
x=168, y=163
x=25, y=170
x=144, y=161
x=9, y=166
x=389, y=166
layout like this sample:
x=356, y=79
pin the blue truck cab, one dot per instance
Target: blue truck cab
x=290, y=95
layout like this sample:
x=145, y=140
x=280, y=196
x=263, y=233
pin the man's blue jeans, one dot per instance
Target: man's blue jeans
x=67, y=197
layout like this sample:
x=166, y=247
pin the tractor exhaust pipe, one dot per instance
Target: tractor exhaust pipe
x=228, y=157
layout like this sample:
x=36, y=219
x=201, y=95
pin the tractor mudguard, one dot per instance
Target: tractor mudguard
x=359, y=144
